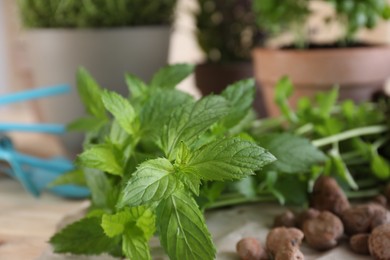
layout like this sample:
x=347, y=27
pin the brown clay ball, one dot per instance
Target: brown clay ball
x=289, y=253
x=359, y=244
x=380, y=200
x=328, y=196
x=249, y=248
x=324, y=231
x=379, y=242
x=287, y=219
x=284, y=242
x=306, y=215
x=364, y=218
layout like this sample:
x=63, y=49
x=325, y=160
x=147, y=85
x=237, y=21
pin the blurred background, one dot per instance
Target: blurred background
x=216, y=35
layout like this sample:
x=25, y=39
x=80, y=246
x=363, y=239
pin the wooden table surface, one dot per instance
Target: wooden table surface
x=27, y=223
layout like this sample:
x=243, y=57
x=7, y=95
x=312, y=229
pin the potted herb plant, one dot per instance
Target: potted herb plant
x=108, y=37
x=226, y=31
x=358, y=68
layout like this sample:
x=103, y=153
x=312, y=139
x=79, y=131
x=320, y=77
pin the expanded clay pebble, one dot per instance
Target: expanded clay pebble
x=379, y=242
x=250, y=248
x=364, y=218
x=323, y=231
x=380, y=199
x=287, y=219
x=327, y=195
x=283, y=243
x=359, y=244
x=306, y=215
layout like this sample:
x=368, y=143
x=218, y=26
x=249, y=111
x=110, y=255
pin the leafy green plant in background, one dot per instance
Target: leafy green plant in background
x=354, y=138
x=95, y=13
x=145, y=166
x=226, y=30
x=276, y=17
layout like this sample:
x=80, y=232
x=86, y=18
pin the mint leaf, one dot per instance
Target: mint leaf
x=153, y=181
x=136, y=85
x=84, y=237
x=90, y=92
x=121, y=109
x=86, y=124
x=74, y=177
x=101, y=157
x=134, y=245
x=284, y=89
x=326, y=101
x=240, y=96
x=227, y=159
x=294, y=154
x=182, y=229
x=190, y=121
x=158, y=108
x=169, y=76
x=142, y=217
x=104, y=194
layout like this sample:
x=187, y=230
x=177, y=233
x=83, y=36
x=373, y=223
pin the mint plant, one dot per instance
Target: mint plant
x=147, y=158
x=352, y=137
x=276, y=17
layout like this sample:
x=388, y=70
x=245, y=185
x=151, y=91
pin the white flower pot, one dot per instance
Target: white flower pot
x=55, y=55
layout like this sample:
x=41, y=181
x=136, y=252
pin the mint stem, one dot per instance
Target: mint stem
x=240, y=200
x=369, y=130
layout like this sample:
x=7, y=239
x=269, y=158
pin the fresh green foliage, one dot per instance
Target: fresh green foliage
x=226, y=30
x=95, y=13
x=146, y=164
x=85, y=236
x=352, y=138
x=277, y=16
x=182, y=228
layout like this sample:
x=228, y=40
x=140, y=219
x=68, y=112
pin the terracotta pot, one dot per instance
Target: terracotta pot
x=214, y=78
x=359, y=72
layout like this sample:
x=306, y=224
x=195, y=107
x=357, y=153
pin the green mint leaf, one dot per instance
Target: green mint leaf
x=104, y=193
x=84, y=237
x=137, y=86
x=294, y=154
x=101, y=157
x=240, y=96
x=153, y=181
x=89, y=92
x=284, y=89
x=86, y=124
x=158, y=108
x=142, y=217
x=340, y=168
x=326, y=101
x=227, y=159
x=121, y=109
x=169, y=76
x=134, y=245
x=75, y=177
x=379, y=165
x=190, y=121
x=182, y=229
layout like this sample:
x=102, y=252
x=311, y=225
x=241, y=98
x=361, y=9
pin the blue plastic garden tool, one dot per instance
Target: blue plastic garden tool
x=36, y=173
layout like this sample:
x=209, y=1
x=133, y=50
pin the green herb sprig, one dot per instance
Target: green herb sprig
x=145, y=160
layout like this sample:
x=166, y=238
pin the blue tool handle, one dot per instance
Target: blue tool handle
x=57, y=165
x=39, y=128
x=34, y=94
x=19, y=174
